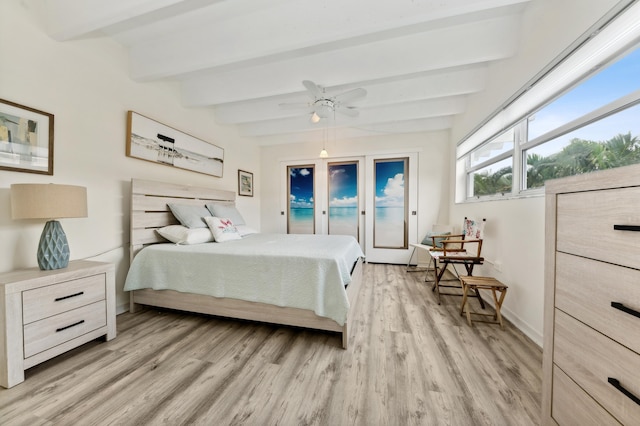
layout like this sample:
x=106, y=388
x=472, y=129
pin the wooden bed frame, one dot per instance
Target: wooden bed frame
x=149, y=211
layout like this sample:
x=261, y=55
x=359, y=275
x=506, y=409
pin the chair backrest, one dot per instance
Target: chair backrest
x=473, y=229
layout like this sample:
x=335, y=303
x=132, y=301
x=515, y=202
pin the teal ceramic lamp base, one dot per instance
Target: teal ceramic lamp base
x=53, y=250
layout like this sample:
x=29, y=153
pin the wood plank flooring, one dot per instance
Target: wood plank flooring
x=409, y=362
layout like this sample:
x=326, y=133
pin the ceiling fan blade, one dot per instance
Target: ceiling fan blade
x=350, y=95
x=313, y=89
x=348, y=111
x=294, y=105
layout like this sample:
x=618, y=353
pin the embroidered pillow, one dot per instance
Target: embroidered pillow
x=179, y=234
x=222, y=229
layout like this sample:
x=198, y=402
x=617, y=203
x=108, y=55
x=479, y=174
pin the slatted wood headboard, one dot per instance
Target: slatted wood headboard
x=149, y=209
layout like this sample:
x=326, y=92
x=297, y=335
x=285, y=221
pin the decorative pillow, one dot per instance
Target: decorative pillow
x=244, y=230
x=428, y=241
x=190, y=216
x=222, y=229
x=182, y=235
x=226, y=210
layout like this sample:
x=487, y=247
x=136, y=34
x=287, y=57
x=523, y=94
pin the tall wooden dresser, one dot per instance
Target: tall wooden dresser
x=591, y=367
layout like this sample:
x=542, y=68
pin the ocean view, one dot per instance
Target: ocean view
x=389, y=223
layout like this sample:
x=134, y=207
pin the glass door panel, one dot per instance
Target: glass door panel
x=391, y=200
x=391, y=212
x=301, y=195
x=343, y=199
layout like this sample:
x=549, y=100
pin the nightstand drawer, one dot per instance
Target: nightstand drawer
x=54, y=299
x=49, y=332
x=593, y=360
x=586, y=220
x=586, y=289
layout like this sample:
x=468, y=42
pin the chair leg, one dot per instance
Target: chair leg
x=410, y=257
x=469, y=268
x=465, y=304
x=498, y=302
x=436, y=279
x=479, y=298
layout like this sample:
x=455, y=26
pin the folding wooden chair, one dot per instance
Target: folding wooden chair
x=461, y=249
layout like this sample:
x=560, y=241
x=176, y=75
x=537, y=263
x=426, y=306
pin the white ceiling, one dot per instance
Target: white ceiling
x=418, y=60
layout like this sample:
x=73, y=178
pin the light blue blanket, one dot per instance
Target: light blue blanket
x=299, y=271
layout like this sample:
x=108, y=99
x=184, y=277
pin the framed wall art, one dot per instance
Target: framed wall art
x=26, y=139
x=153, y=141
x=245, y=183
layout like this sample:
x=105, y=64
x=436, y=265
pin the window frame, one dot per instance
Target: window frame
x=528, y=102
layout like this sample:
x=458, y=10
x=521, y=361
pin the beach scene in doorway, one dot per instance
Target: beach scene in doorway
x=301, y=200
x=390, y=213
x=390, y=203
x=343, y=199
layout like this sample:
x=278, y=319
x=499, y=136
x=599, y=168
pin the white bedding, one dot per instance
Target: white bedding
x=299, y=271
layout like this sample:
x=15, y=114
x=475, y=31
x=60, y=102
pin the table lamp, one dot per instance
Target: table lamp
x=49, y=201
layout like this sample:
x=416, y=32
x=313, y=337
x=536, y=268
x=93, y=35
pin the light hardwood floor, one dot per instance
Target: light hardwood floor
x=409, y=362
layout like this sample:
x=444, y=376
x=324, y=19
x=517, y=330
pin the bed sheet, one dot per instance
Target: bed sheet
x=300, y=271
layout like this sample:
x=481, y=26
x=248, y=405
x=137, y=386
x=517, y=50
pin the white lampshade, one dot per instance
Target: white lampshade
x=324, y=153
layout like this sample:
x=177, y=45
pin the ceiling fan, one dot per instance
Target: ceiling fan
x=322, y=105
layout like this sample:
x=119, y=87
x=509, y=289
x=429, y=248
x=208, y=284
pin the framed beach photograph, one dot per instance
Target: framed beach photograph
x=26, y=139
x=153, y=141
x=245, y=183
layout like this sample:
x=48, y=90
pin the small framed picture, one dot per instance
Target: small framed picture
x=245, y=183
x=26, y=139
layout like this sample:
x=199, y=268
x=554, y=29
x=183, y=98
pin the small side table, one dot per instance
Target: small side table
x=483, y=283
x=46, y=313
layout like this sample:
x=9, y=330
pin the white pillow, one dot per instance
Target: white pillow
x=244, y=230
x=182, y=235
x=222, y=229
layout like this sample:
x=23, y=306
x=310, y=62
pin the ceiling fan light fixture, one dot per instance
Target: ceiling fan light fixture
x=315, y=118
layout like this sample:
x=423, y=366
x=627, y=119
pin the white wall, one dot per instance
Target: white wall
x=85, y=84
x=433, y=183
x=515, y=228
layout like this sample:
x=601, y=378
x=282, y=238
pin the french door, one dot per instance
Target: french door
x=324, y=197
x=371, y=198
x=391, y=221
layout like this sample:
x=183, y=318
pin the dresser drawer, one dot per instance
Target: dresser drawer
x=586, y=288
x=49, y=332
x=51, y=300
x=590, y=359
x=585, y=225
x=572, y=406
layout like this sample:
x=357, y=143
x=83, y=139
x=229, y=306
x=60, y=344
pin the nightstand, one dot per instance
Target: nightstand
x=46, y=313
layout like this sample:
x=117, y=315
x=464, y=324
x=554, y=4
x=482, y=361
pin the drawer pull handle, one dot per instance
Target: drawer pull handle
x=69, y=296
x=69, y=326
x=620, y=306
x=616, y=384
x=634, y=228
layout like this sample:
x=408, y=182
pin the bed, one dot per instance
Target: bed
x=316, y=281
